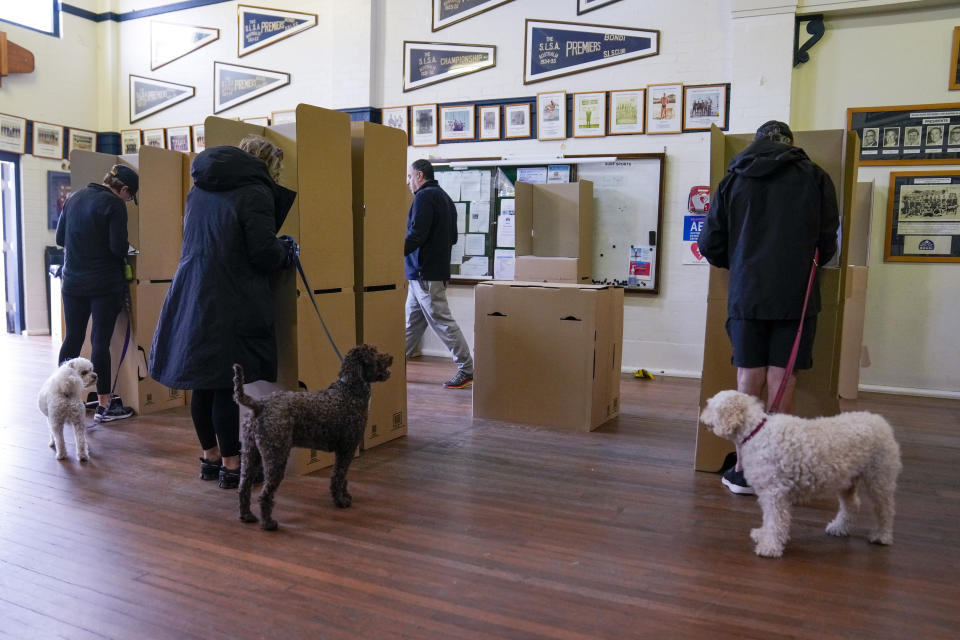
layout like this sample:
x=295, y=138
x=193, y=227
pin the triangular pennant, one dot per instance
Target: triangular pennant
x=234, y=84
x=148, y=96
x=260, y=27
x=447, y=12
x=554, y=49
x=430, y=62
x=169, y=41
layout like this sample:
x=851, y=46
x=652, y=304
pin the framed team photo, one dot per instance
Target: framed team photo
x=199, y=138
x=516, y=120
x=47, y=140
x=129, y=141
x=589, y=114
x=178, y=139
x=154, y=138
x=13, y=134
x=489, y=122
x=705, y=105
x=626, y=112
x=395, y=117
x=80, y=140
x=457, y=123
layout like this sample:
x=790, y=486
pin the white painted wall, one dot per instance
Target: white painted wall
x=889, y=59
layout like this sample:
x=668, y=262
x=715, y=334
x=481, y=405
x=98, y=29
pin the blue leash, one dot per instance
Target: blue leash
x=303, y=276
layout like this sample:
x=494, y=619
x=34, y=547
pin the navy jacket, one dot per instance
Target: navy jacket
x=219, y=309
x=93, y=232
x=431, y=232
x=771, y=210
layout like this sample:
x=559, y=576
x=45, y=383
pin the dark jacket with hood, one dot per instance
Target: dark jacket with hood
x=93, y=231
x=431, y=232
x=219, y=309
x=771, y=210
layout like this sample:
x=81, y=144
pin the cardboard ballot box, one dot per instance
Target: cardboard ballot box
x=547, y=354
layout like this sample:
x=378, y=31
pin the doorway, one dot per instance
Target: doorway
x=11, y=265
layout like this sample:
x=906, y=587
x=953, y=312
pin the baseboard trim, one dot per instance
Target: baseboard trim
x=907, y=391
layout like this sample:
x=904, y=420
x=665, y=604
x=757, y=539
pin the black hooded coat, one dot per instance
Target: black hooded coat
x=772, y=209
x=219, y=309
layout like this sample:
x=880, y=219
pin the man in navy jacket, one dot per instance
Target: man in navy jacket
x=772, y=210
x=431, y=232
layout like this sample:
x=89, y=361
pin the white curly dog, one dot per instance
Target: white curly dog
x=61, y=401
x=789, y=460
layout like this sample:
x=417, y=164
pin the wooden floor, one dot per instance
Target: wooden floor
x=463, y=529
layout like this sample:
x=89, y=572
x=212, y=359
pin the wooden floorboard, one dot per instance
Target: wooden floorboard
x=463, y=529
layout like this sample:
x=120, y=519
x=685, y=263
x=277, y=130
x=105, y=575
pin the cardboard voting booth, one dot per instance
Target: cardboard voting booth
x=817, y=389
x=554, y=232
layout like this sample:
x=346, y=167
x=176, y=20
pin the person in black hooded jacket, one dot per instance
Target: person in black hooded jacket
x=772, y=210
x=219, y=309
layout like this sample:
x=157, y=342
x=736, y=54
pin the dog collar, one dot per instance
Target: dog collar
x=754, y=432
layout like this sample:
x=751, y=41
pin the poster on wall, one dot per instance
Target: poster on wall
x=47, y=140
x=426, y=63
x=58, y=190
x=448, y=12
x=149, y=96
x=258, y=27
x=81, y=141
x=13, y=133
x=234, y=84
x=169, y=42
x=923, y=217
x=553, y=49
x=691, y=232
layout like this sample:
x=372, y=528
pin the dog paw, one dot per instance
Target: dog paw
x=837, y=529
x=881, y=538
x=62, y=455
x=756, y=534
x=269, y=525
x=768, y=550
x=343, y=501
x=248, y=517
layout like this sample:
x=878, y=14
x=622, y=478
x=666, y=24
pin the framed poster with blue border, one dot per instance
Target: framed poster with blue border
x=259, y=27
x=448, y=12
x=923, y=217
x=426, y=63
x=552, y=48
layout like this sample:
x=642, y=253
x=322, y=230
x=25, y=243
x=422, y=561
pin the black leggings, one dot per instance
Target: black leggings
x=216, y=417
x=76, y=312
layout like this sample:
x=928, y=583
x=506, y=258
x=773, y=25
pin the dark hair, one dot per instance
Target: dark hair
x=425, y=167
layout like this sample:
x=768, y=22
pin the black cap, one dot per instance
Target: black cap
x=128, y=177
x=773, y=128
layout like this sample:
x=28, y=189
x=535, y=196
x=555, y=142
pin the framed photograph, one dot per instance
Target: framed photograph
x=81, y=140
x=47, y=140
x=489, y=117
x=923, y=217
x=448, y=12
x=178, y=139
x=955, y=60
x=516, y=120
x=426, y=63
x=199, y=141
x=871, y=138
x=154, y=138
x=911, y=136
x=914, y=134
x=589, y=114
x=395, y=117
x=933, y=137
x=456, y=123
x=283, y=117
x=58, y=190
x=626, y=112
x=665, y=108
x=891, y=137
x=583, y=6
x=953, y=138
x=705, y=105
x=423, y=125
x=552, y=115
x=262, y=121
x=13, y=134
x=129, y=141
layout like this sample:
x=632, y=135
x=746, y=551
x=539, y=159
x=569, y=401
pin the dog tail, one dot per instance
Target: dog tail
x=238, y=395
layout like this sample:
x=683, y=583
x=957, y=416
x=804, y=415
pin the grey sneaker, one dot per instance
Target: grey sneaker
x=116, y=411
x=735, y=481
x=460, y=381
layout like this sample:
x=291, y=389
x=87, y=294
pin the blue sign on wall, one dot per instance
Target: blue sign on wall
x=555, y=49
x=691, y=227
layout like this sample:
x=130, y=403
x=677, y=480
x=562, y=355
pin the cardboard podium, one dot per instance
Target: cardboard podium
x=816, y=394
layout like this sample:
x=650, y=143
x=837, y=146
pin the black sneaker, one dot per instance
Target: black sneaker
x=116, y=411
x=460, y=381
x=229, y=478
x=735, y=481
x=210, y=470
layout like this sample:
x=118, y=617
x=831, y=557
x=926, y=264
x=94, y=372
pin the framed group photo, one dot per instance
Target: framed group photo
x=516, y=120
x=395, y=117
x=923, y=217
x=178, y=139
x=154, y=138
x=199, y=137
x=457, y=123
x=47, y=140
x=489, y=122
x=917, y=134
x=283, y=117
x=665, y=108
x=80, y=140
x=552, y=115
x=705, y=105
x=129, y=141
x=589, y=114
x=13, y=134
x=626, y=112
x=423, y=125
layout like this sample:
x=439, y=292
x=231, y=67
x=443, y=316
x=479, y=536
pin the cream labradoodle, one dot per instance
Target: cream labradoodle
x=789, y=460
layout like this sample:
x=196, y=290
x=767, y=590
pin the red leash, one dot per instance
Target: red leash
x=793, y=352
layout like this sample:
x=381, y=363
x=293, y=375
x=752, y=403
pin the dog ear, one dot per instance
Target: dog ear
x=730, y=412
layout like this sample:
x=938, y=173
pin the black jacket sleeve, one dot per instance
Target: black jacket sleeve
x=829, y=219
x=62, y=228
x=714, y=239
x=118, y=229
x=257, y=220
x=421, y=221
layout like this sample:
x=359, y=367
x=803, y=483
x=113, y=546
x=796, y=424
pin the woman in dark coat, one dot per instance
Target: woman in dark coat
x=219, y=309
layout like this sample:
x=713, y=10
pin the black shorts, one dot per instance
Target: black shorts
x=768, y=343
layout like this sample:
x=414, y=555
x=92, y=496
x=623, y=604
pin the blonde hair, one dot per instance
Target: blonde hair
x=270, y=153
